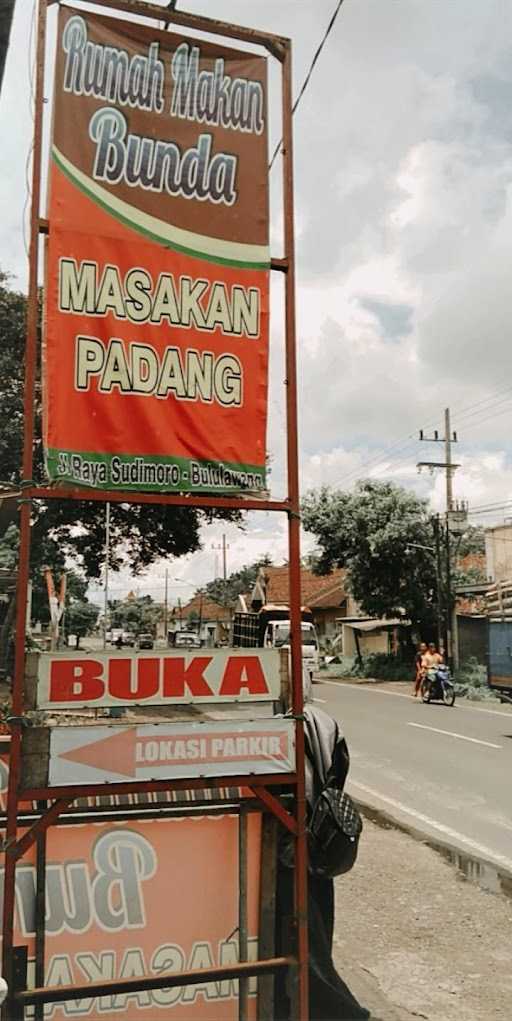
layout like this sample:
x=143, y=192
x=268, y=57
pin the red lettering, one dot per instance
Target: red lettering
x=120, y=679
x=243, y=672
x=76, y=680
x=177, y=675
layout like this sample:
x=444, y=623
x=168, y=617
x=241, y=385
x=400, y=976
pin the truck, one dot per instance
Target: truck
x=269, y=628
x=499, y=639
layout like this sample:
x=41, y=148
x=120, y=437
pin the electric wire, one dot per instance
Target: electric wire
x=31, y=79
x=465, y=415
x=307, y=79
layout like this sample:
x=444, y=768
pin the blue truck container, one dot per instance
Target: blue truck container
x=499, y=657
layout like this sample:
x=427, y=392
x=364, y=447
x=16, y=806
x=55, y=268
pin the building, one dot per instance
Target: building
x=498, y=553
x=336, y=615
x=209, y=619
x=324, y=595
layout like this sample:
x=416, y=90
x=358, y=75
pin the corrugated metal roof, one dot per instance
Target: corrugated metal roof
x=376, y=625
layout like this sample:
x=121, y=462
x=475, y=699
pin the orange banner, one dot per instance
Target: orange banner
x=156, y=340
x=122, y=901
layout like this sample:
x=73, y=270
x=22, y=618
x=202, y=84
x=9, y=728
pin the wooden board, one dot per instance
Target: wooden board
x=75, y=679
x=79, y=755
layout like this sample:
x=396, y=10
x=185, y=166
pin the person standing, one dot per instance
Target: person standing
x=418, y=668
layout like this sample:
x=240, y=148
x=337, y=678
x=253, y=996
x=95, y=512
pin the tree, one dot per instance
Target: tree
x=138, y=613
x=139, y=534
x=369, y=532
x=472, y=541
x=226, y=592
x=81, y=618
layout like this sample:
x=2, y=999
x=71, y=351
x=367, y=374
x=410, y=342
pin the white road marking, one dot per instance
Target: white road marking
x=479, y=849
x=322, y=700
x=401, y=694
x=362, y=687
x=450, y=733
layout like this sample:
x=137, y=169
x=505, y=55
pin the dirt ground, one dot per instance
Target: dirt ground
x=415, y=939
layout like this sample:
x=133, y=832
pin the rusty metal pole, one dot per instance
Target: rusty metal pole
x=243, y=930
x=301, y=876
x=25, y=515
x=40, y=914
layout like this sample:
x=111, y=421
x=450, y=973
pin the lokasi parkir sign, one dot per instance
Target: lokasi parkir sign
x=156, y=340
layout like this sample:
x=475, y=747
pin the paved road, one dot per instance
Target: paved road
x=447, y=772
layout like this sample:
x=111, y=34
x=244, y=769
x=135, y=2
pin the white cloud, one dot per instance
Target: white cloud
x=403, y=197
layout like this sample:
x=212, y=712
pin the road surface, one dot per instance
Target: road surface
x=444, y=771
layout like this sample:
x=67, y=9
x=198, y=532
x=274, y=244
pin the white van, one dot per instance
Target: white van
x=277, y=636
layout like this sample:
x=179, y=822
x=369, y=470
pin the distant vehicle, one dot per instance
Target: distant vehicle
x=145, y=641
x=187, y=639
x=499, y=664
x=128, y=638
x=270, y=629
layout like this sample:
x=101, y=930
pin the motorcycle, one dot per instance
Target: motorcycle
x=438, y=686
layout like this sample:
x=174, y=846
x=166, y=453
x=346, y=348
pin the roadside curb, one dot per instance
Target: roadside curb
x=490, y=876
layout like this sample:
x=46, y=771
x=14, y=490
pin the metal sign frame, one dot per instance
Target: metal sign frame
x=54, y=801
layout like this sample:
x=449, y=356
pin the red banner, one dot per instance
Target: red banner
x=122, y=901
x=156, y=341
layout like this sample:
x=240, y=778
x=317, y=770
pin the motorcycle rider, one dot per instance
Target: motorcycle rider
x=431, y=659
x=430, y=662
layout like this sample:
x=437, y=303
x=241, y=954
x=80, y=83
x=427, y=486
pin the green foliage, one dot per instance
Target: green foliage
x=369, y=531
x=81, y=617
x=377, y=664
x=471, y=681
x=136, y=615
x=468, y=575
x=226, y=592
x=9, y=542
x=342, y=666
x=472, y=541
x=383, y=667
x=139, y=534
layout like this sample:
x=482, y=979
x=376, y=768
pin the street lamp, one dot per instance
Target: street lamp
x=436, y=552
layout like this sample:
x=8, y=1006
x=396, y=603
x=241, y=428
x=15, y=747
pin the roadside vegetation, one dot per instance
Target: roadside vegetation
x=470, y=679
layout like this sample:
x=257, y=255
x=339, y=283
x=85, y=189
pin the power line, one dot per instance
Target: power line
x=309, y=74
x=399, y=446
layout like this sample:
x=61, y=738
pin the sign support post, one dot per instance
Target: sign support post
x=60, y=799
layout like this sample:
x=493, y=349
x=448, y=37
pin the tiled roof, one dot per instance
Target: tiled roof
x=207, y=609
x=319, y=591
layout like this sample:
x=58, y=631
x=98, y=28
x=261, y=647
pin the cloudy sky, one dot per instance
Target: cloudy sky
x=403, y=146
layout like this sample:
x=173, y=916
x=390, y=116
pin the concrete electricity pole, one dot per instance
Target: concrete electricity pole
x=449, y=467
x=166, y=607
x=224, y=547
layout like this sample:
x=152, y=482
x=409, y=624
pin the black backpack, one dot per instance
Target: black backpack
x=335, y=825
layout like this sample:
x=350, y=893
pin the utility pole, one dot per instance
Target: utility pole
x=224, y=547
x=449, y=467
x=166, y=607
x=448, y=460
x=439, y=575
x=107, y=553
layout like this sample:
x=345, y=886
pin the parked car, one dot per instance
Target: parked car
x=187, y=639
x=129, y=639
x=146, y=641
